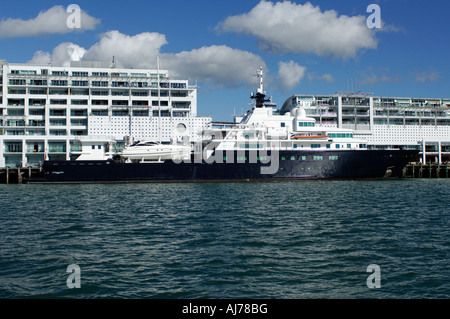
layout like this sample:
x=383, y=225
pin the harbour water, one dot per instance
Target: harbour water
x=290, y=240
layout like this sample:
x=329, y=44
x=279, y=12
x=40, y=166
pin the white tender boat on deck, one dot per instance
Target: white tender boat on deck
x=144, y=151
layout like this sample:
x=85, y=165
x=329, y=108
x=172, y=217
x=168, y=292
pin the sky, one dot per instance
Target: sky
x=315, y=47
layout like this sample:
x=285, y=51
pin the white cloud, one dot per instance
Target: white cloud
x=374, y=78
x=290, y=74
x=52, y=21
x=218, y=65
x=138, y=51
x=62, y=55
x=286, y=27
x=430, y=76
x=41, y=58
x=325, y=77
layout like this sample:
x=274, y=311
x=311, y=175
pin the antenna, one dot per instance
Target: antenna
x=113, y=62
x=260, y=93
x=261, y=81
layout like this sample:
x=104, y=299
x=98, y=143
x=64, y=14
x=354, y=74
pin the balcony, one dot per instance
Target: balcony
x=36, y=123
x=13, y=147
x=14, y=123
x=57, y=147
x=37, y=147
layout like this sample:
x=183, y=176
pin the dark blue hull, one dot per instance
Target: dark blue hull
x=291, y=165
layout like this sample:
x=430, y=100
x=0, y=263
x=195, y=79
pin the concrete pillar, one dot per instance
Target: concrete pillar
x=371, y=121
x=19, y=176
x=340, y=112
x=423, y=152
x=2, y=158
x=440, y=152
x=24, y=153
x=67, y=150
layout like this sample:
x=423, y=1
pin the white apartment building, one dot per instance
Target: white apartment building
x=385, y=122
x=46, y=111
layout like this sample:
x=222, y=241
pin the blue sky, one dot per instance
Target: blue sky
x=211, y=42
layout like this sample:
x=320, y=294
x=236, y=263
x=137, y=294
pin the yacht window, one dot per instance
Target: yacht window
x=283, y=124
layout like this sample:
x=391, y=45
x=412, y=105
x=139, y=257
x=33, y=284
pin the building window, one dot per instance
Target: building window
x=59, y=82
x=17, y=82
x=38, y=82
x=84, y=74
x=80, y=83
x=306, y=124
x=100, y=74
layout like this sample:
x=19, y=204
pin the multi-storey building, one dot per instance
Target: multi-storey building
x=45, y=111
x=385, y=122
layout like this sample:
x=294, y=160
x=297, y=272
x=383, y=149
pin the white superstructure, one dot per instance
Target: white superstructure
x=385, y=122
x=263, y=128
x=45, y=111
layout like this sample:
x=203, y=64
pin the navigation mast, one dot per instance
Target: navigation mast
x=260, y=95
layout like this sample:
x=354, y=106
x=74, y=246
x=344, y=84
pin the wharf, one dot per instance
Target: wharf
x=13, y=175
x=418, y=170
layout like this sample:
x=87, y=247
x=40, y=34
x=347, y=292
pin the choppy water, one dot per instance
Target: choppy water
x=226, y=240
